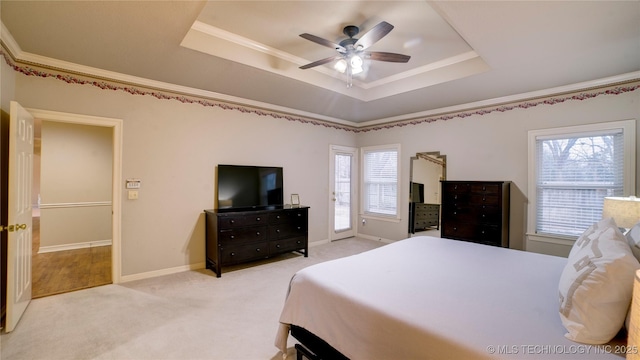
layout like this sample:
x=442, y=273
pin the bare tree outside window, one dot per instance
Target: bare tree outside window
x=574, y=176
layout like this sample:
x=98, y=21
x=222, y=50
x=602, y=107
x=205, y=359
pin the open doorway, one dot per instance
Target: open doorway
x=92, y=216
x=71, y=195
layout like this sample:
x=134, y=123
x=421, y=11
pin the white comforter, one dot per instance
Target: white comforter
x=432, y=298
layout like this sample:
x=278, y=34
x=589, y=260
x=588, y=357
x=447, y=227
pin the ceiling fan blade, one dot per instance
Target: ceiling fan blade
x=386, y=56
x=372, y=36
x=321, y=62
x=323, y=42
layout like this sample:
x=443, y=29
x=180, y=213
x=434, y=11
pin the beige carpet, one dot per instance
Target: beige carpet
x=189, y=315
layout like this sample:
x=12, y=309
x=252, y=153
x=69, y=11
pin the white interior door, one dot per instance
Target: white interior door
x=21, y=133
x=343, y=201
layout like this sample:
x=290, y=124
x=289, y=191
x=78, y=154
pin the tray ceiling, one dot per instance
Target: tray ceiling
x=462, y=52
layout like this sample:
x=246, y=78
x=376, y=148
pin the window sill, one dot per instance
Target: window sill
x=557, y=245
x=392, y=219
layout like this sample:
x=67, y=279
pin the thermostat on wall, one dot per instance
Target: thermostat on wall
x=133, y=184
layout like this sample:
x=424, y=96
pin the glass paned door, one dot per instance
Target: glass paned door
x=342, y=192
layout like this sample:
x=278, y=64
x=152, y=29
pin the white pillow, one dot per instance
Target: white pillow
x=596, y=285
x=633, y=238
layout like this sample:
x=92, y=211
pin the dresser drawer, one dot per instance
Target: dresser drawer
x=286, y=245
x=494, y=189
x=239, y=253
x=456, y=187
x=481, y=214
x=462, y=214
x=489, y=214
x=236, y=221
x=288, y=216
x=484, y=200
x=287, y=230
x=242, y=235
x=485, y=234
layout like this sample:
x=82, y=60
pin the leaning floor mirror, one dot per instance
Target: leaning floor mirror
x=427, y=169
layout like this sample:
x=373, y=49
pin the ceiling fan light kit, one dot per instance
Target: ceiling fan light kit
x=351, y=54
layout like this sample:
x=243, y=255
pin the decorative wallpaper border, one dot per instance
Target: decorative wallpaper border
x=526, y=104
x=133, y=89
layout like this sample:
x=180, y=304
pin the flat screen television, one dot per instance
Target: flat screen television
x=240, y=186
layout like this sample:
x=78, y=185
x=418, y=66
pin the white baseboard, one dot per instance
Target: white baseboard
x=197, y=266
x=320, y=242
x=75, y=246
x=169, y=271
x=375, y=238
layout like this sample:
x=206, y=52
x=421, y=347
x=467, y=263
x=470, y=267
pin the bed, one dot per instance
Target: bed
x=432, y=298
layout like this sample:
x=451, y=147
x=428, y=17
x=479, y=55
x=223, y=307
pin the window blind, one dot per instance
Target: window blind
x=574, y=174
x=380, y=181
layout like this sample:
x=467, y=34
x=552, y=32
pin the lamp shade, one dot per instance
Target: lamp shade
x=624, y=210
x=633, y=339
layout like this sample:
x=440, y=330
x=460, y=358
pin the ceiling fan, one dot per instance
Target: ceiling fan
x=351, y=51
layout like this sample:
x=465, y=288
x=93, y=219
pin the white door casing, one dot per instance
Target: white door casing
x=116, y=196
x=342, y=197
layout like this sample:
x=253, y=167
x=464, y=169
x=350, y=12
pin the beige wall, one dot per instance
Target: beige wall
x=75, y=184
x=493, y=147
x=173, y=149
x=7, y=85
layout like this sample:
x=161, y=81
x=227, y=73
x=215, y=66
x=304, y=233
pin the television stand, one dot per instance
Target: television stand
x=234, y=237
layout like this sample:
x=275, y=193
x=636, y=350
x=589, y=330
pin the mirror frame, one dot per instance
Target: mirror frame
x=433, y=156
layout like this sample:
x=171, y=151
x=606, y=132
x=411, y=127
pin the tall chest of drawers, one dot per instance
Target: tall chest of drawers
x=476, y=211
x=234, y=237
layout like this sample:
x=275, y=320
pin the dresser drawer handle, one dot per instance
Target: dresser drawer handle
x=278, y=246
x=278, y=231
x=232, y=221
x=299, y=214
x=278, y=217
x=257, y=233
x=232, y=236
x=258, y=250
x=233, y=254
x=298, y=242
x=299, y=228
x=258, y=219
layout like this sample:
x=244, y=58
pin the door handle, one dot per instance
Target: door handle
x=12, y=228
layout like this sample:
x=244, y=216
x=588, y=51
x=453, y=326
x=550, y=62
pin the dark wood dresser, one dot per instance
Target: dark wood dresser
x=423, y=216
x=476, y=211
x=234, y=237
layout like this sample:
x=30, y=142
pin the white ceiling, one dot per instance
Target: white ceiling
x=461, y=52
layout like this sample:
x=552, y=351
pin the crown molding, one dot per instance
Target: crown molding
x=21, y=61
x=22, y=57
x=561, y=90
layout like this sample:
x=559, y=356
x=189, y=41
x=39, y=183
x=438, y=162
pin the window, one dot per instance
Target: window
x=573, y=169
x=380, y=180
